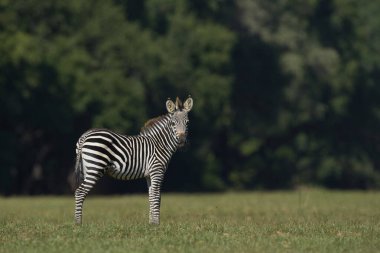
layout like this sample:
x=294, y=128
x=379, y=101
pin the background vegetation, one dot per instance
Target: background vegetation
x=285, y=92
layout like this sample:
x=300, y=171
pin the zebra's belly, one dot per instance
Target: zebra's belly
x=125, y=173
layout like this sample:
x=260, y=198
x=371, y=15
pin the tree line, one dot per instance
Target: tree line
x=285, y=92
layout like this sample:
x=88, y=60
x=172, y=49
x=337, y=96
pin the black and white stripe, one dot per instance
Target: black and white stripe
x=103, y=152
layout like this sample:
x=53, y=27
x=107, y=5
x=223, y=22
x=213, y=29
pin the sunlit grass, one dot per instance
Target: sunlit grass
x=303, y=221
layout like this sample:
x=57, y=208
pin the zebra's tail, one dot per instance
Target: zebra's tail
x=79, y=175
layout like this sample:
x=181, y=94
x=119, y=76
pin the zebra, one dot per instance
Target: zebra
x=102, y=152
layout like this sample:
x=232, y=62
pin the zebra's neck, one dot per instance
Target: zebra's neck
x=159, y=130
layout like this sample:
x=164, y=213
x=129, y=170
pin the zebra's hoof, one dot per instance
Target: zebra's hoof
x=155, y=223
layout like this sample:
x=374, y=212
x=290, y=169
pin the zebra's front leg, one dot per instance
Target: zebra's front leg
x=81, y=193
x=154, y=185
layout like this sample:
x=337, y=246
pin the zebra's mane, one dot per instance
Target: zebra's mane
x=152, y=122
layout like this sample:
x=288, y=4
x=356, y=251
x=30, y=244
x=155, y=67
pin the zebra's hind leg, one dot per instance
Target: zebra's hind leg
x=92, y=176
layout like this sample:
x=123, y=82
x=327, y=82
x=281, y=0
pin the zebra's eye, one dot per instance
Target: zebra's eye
x=172, y=123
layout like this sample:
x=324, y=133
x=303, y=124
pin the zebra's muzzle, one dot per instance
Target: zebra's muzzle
x=181, y=140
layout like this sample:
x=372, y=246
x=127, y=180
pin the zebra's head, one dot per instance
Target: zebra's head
x=179, y=120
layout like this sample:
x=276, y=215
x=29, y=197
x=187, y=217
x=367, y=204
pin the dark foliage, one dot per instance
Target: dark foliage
x=285, y=92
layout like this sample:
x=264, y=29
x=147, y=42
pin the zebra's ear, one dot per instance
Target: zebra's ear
x=188, y=104
x=170, y=106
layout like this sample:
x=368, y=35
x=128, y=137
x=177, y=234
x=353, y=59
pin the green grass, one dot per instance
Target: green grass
x=303, y=221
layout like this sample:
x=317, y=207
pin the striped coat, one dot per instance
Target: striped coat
x=103, y=152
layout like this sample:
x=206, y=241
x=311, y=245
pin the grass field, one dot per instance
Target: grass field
x=302, y=221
